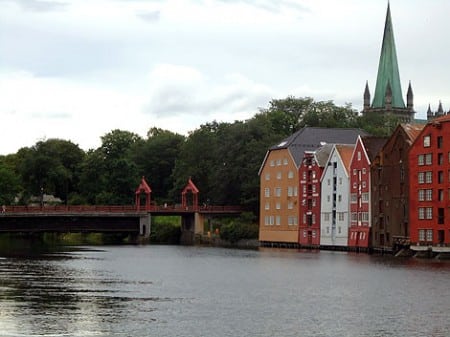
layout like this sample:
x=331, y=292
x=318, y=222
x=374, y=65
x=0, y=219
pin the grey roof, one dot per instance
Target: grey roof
x=311, y=138
x=322, y=154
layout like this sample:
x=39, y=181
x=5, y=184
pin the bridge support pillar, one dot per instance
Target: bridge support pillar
x=145, y=224
x=199, y=223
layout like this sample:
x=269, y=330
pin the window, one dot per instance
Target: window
x=278, y=175
x=328, y=230
x=291, y=175
x=290, y=205
x=314, y=202
x=365, y=216
x=272, y=162
x=304, y=219
x=440, y=216
x=429, y=235
x=421, y=235
x=439, y=142
x=421, y=213
x=429, y=195
x=354, y=216
x=328, y=182
x=421, y=177
x=278, y=205
x=429, y=213
x=359, y=155
x=365, y=197
x=285, y=161
x=420, y=160
x=427, y=141
x=441, y=195
x=440, y=159
x=313, y=219
x=440, y=177
x=304, y=175
x=340, y=181
x=353, y=198
x=278, y=220
x=339, y=229
x=341, y=216
x=328, y=198
x=295, y=191
x=326, y=216
x=314, y=188
x=267, y=206
x=314, y=174
x=428, y=159
x=354, y=172
x=421, y=195
x=278, y=191
x=267, y=176
x=278, y=162
x=363, y=184
x=428, y=177
x=290, y=191
x=304, y=189
x=339, y=198
x=267, y=192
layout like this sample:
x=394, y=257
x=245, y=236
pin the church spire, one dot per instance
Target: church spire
x=388, y=69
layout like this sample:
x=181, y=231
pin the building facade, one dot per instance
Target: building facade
x=429, y=164
x=390, y=189
x=335, y=210
x=279, y=181
x=366, y=149
x=310, y=173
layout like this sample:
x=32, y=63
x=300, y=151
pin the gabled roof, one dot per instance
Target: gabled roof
x=345, y=152
x=444, y=118
x=412, y=130
x=311, y=138
x=321, y=154
x=388, y=77
x=373, y=145
x=143, y=187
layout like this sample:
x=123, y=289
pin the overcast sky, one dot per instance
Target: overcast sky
x=77, y=69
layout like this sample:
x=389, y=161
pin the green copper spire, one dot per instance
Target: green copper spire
x=388, y=70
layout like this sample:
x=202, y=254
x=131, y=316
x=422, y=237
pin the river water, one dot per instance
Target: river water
x=200, y=291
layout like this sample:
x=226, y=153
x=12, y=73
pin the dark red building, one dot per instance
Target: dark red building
x=310, y=172
x=390, y=189
x=429, y=165
x=366, y=149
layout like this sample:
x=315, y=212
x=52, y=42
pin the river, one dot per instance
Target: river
x=201, y=291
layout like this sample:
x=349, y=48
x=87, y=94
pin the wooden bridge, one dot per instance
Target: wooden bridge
x=131, y=219
x=107, y=219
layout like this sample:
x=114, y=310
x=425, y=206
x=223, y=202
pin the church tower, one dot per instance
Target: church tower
x=388, y=97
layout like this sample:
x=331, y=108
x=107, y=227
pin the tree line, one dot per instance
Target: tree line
x=222, y=159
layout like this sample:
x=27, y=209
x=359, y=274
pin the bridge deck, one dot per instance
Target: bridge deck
x=114, y=210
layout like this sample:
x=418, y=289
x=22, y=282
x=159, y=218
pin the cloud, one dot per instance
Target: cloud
x=275, y=6
x=39, y=5
x=180, y=91
x=150, y=17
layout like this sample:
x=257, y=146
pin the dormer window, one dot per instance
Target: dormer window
x=426, y=141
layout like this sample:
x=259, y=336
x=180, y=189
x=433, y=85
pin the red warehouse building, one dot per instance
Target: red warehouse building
x=429, y=164
x=366, y=149
x=310, y=172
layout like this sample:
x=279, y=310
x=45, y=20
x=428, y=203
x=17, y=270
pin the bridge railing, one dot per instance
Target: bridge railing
x=118, y=209
x=69, y=209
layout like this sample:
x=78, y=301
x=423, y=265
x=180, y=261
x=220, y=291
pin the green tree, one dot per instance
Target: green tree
x=109, y=174
x=9, y=183
x=50, y=166
x=155, y=159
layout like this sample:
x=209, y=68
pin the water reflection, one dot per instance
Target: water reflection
x=195, y=291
